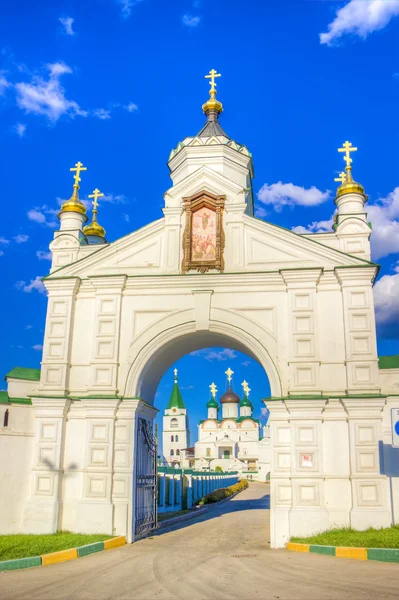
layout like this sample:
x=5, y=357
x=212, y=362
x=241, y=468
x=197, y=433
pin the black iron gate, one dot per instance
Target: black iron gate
x=146, y=479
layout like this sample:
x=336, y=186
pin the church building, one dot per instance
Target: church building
x=77, y=446
x=175, y=427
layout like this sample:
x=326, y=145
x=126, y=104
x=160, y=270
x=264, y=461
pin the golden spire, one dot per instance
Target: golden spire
x=348, y=184
x=213, y=390
x=74, y=204
x=95, y=228
x=229, y=374
x=246, y=388
x=212, y=103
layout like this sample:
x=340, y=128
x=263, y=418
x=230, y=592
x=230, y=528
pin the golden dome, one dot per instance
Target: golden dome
x=74, y=205
x=351, y=187
x=94, y=228
x=212, y=104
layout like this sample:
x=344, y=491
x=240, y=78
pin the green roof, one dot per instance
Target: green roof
x=23, y=373
x=212, y=403
x=388, y=362
x=246, y=402
x=5, y=399
x=176, y=400
x=238, y=420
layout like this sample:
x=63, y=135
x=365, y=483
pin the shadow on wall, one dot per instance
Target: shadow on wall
x=389, y=460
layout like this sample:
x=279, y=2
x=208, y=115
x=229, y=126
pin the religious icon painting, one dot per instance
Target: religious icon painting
x=203, y=241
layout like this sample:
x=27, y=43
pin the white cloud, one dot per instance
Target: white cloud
x=67, y=23
x=186, y=387
x=131, y=107
x=281, y=194
x=264, y=412
x=21, y=238
x=43, y=215
x=384, y=217
x=315, y=227
x=360, y=17
x=37, y=347
x=4, y=241
x=190, y=20
x=35, y=284
x=4, y=84
x=41, y=255
x=29, y=327
x=126, y=217
x=102, y=113
x=126, y=7
x=215, y=355
x=386, y=302
x=20, y=129
x=47, y=97
x=114, y=198
x=245, y=363
x=1, y=253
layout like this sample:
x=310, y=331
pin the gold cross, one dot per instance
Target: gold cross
x=244, y=385
x=229, y=374
x=175, y=372
x=96, y=194
x=347, y=148
x=247, y=391
x=341, y=178
x=211, y=76
x=78, y=168
x=213, y=389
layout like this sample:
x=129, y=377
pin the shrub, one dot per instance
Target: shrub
x=219, y=469
x=222, y=493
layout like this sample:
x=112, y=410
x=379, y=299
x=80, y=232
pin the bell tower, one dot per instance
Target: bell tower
x=175, y=428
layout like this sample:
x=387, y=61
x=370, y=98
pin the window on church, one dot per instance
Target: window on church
x=245, y=452
x=6, y=416
x=208, y=452
x=177, y=452
x=172, y=438
x=177, y=438
x=172, y=452
x=174, y=423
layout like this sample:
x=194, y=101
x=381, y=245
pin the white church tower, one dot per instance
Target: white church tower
x=230, y=400
x=175, y=429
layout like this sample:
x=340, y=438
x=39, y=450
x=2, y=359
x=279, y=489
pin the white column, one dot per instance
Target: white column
x=41, y=513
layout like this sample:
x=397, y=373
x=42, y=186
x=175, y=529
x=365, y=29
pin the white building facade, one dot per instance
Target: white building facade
x=235, y=441
x=119, y=314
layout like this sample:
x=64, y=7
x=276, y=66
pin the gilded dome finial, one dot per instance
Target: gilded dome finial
x=74, y=204
x=212, y=104
x=94, y=228
x=348, y=184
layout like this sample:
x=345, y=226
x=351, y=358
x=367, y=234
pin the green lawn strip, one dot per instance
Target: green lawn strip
x=171, y=515
x=371, y=538
x=24, y=546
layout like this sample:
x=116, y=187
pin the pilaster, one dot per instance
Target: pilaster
x=42, y=509
x=56, y=362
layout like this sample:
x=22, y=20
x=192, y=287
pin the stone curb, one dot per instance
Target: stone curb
x=62, y=555
x=186, y=517
x=381, y=554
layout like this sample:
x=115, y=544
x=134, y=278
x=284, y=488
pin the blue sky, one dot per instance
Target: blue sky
x=116, y=84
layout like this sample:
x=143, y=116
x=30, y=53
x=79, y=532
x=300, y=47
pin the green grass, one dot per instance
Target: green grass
x=371, y=538
x=24, y=546
x=171, y=515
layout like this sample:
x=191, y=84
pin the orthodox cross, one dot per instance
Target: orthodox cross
x=96, y=194
x=175, y=372
x=244, y=386
x=247, y=391
x=212, y=75
x=347, y=148
x=213, y=389
x=341, y=178
x=78, y=168
x=229, y=374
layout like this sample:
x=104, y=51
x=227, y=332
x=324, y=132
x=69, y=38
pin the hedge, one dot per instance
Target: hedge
x=222, y=493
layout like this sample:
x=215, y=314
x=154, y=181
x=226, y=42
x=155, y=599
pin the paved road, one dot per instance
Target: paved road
x=219, y=556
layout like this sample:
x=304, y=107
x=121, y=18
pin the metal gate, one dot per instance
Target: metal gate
x=146, y=479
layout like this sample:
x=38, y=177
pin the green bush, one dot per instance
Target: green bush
x=222, y=493
x=219, y=469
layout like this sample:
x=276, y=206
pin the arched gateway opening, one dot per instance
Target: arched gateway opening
x=156, y=353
